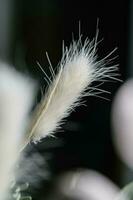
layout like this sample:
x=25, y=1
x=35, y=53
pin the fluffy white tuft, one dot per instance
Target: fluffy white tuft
x=16, y=93
x=77, y=70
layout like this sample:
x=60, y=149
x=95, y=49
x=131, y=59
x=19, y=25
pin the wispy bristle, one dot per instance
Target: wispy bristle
x=78, y=68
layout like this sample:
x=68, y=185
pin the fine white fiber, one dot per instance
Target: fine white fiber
x=77, y=70
x=16, y=95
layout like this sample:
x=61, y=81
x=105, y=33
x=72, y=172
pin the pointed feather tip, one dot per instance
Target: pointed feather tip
x=82, y=59
x=16, y=94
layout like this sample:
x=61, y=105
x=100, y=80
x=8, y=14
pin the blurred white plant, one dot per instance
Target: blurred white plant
x=122, y=119
x=84, y=185
x=16, y=93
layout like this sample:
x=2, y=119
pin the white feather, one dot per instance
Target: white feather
x=77, y=70
x=16, y=93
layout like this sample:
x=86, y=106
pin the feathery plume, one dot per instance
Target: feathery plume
x=16, y=93
x=76, y=72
